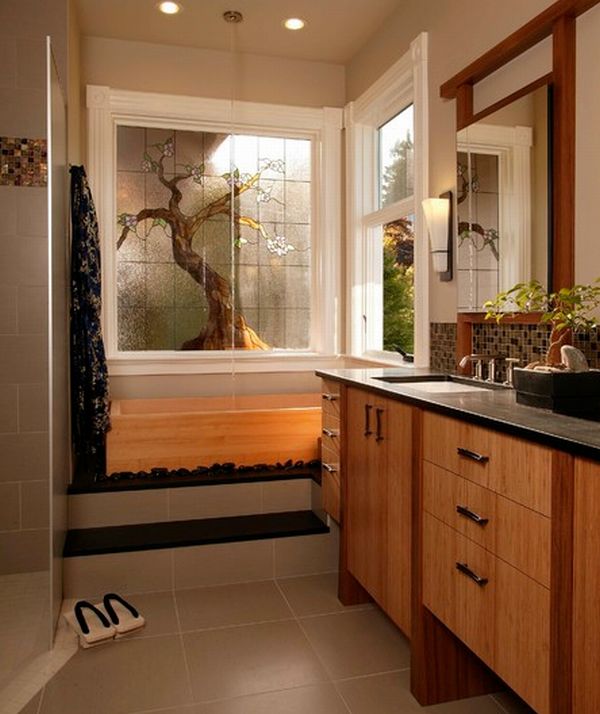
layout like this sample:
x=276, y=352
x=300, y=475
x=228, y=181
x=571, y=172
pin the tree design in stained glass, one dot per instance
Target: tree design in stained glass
x=213, y=248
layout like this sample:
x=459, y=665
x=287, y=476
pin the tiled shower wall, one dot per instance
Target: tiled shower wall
x=525, y=342
x=24, y=498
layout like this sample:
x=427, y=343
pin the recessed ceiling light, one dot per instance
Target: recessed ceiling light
x=169, y=8
x=294, y=23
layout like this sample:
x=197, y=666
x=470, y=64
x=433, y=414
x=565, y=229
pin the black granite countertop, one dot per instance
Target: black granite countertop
x=496, y=408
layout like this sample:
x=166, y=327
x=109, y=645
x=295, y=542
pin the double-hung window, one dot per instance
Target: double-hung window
x=388, y=256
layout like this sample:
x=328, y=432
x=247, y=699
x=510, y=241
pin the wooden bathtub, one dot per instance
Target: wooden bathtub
x=187, y=432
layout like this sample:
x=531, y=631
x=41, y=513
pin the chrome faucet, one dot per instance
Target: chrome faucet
x=511, y=363
x=479, y=361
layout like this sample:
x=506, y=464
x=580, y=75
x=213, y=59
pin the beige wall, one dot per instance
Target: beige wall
x=208, y=73
x=74, y=88
x=587, y=204
x=459, y=31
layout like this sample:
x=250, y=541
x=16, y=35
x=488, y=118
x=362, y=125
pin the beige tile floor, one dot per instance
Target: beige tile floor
x=276, y=647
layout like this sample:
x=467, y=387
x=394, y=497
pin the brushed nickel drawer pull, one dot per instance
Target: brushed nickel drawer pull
x=368, y=408
x=480, y=458
x=328, y=397
x=331, y=433
x=471, y=515
x=465, y=570
x=329, y=468
x=378, y=413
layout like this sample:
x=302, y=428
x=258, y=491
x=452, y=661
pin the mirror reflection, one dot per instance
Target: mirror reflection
x=503, y=200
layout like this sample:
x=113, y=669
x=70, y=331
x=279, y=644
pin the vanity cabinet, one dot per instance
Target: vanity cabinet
x=378, y=473
x=487, y=546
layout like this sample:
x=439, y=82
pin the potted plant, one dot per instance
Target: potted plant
x=561, y=380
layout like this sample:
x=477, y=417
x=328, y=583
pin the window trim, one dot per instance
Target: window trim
x=512, y=145
x=108, y=108
x=403, y=84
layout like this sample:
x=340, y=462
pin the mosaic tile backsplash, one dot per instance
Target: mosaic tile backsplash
x=526, y=342
x=23, y=162
x=443, y=346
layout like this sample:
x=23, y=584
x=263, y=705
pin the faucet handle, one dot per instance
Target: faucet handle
x=511, y=363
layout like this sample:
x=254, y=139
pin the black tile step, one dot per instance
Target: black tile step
x=173, y=481
x=178, y=534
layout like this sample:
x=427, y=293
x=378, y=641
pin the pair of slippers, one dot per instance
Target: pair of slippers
x=110, y=619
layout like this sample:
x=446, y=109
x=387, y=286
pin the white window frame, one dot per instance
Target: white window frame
x=403, y=84
x=109, y=108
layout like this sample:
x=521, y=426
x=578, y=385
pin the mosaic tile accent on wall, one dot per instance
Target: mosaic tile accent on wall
x=443, y=346
x=23, y=162
x=526, y=342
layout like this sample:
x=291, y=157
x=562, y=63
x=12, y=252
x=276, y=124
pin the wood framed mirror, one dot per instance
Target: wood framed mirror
x=558, y=21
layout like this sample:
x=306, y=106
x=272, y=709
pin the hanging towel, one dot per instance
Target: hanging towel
x=89, y=376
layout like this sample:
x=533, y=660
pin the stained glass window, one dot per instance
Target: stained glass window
x=213, y=240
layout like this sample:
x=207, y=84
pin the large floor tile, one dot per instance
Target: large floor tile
x=238, y=604
x=120, y=677
x=390, y=694
x=158, y=609
x=316, y=699
x=314, y=594
x=250, y=659
x=357, y=642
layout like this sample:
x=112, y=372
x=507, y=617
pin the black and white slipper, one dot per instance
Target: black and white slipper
x=95, y=629
x=122, y=614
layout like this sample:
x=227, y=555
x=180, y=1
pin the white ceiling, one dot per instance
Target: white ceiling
x=335, y=30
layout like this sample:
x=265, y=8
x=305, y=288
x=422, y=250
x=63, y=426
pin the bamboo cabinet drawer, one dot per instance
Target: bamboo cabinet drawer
x=514, y=533
x=331, y=397
x=502, y=615
x=331, y=438
x=468, y=508
x=456, y=585
x=509, y=466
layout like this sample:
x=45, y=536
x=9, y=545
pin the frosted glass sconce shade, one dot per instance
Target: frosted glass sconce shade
x=438, y=217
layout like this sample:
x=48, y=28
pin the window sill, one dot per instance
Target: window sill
x=386, y=359
x=172, y=363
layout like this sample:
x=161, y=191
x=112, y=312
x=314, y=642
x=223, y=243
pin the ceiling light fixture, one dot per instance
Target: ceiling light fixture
x=294, y=23
x=169, y=8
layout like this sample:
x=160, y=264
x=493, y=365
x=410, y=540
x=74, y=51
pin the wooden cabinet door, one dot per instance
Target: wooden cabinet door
x=366, y=495
x=396, y=443
x=522, y=645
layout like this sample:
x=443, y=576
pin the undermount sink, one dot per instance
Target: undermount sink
x=434, y=385
x=444, y=387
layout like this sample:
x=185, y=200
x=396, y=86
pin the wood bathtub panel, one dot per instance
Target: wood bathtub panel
x=140, y=442
x=181, y=405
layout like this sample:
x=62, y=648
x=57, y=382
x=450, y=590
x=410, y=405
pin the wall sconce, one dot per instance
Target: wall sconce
x=438, y=217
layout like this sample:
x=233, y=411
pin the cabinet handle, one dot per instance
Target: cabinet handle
x=378, y=413
x=480, y=458
x=330, y=432
x=471, y=515
x=329, y=468
x=465, y=570
x=328, y=397
x=368, y=408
